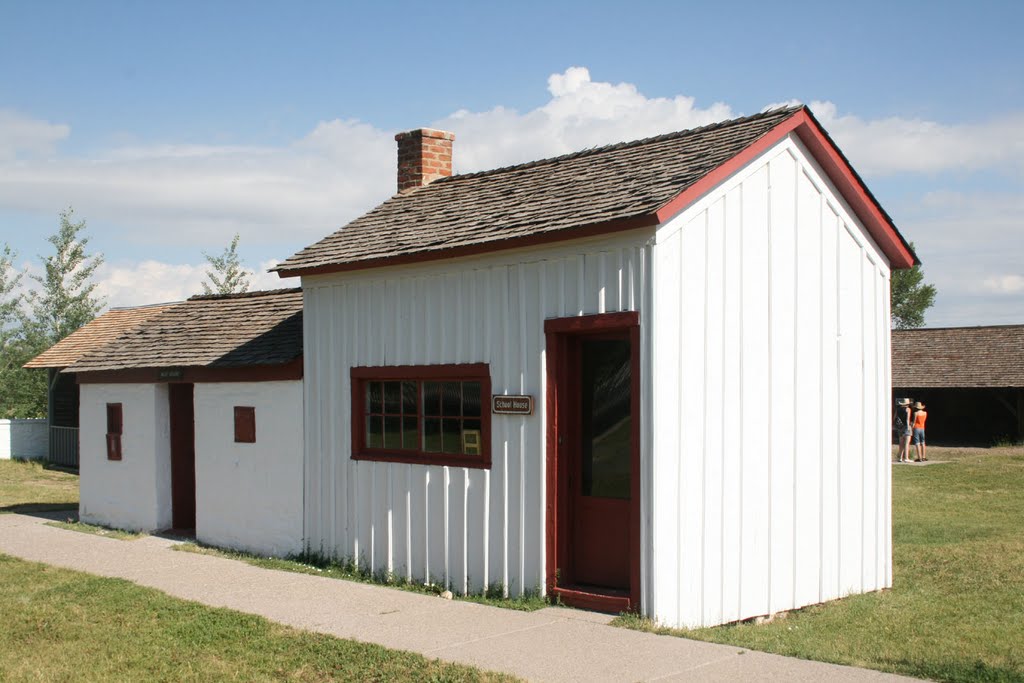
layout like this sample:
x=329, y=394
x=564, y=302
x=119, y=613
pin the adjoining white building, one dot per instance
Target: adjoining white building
x=192, y=420
x=692, y=334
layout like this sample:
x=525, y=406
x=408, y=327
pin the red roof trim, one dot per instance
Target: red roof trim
x=835, y=166
x=802, y=123
x=592, y=230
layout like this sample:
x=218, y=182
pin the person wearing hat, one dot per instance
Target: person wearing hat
x=902, y=426
x=920, y=417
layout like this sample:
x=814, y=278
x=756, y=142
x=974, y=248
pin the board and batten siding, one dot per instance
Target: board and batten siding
x=771, y=389
x=462, y=527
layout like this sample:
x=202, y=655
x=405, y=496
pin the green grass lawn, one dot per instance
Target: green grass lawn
x=956, y=610
x=60, y=625
x=27, y=486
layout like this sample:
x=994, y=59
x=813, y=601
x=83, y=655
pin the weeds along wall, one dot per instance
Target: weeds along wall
x=468, y=528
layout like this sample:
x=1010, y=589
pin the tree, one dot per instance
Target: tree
x=10, y=299
x=226, y=274
x=66, y=300
x=63, y=303
x=909, y=297
x=12, y=352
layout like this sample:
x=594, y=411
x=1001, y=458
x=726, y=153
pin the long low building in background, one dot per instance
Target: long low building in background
x=970, y=378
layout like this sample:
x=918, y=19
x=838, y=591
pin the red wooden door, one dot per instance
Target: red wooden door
x=600, y=459
x=183, y=456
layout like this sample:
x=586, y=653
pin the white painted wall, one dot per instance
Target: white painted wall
x=24, y=438
x=249, y=495
x=461, y=526
x=770, y=393
x=133, y=493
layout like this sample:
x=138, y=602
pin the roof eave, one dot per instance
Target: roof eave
x=554, y=236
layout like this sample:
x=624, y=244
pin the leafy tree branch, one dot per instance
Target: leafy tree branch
x=226, y=274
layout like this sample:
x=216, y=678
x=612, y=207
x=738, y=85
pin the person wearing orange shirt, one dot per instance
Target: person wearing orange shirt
x=920, y=417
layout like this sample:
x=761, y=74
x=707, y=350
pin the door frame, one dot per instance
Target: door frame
x=558, y=334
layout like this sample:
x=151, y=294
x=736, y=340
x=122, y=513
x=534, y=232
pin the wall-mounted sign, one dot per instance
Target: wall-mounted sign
x=170, y=373
x=512, y=405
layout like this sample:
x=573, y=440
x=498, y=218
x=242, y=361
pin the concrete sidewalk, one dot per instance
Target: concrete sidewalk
x=551, y=644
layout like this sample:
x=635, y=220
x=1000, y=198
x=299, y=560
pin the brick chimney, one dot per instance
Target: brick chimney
x=424, y=155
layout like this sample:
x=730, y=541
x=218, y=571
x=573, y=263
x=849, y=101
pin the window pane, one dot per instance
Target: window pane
x=409, y=398
x=373, y=397
x=409, y=434
x=392, y=432
x=374, y=432
x=606, y=419
x=451, y=399
x=431, y=398
x=471, y=399
x=392, y=398
x=471, y=424
x=432, y=435
x=452, y=436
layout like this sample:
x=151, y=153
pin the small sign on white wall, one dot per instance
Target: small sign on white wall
x=503, y=404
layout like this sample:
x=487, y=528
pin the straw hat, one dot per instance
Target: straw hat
x=903, y=402
x=918, y=406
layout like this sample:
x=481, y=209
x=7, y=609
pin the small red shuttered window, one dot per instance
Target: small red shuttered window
x=245, y=424
x=114, y=428
x=422, y=414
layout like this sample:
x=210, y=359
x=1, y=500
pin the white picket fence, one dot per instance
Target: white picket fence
x=24, y=438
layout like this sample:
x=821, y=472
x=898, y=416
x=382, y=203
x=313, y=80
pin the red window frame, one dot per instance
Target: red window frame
x=115, y=427
x=467, y=372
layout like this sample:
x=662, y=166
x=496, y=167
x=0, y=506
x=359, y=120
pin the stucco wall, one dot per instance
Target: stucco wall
x=249, y=495
x=771, y=393
x=135, y=492
x=26, y=438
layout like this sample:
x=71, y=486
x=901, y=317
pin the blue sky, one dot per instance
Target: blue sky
x=169, y=126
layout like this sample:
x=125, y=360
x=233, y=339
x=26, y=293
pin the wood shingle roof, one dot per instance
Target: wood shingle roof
x=94, y=335
x=618, y=182
x=216, y=331
x=958, y=357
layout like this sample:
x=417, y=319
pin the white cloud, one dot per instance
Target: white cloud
x=970, y=245
x=1005, y=284
x=151, y=281
x=904, y=145
x=283, y=197
x=293, y=194
x=581, y=113
x=148, y=282
x=203, y=194
x=21, y=135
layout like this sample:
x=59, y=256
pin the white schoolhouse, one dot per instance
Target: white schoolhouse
x=650, y=376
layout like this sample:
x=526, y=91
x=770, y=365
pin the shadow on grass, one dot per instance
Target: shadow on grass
x=45, y=510
x=58, y=468
x=47, y=465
